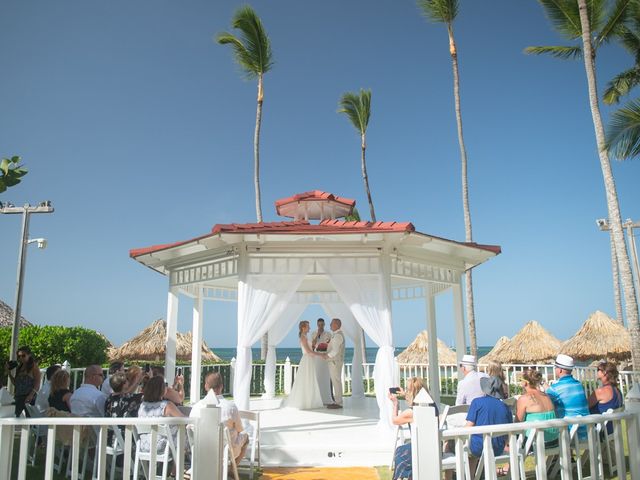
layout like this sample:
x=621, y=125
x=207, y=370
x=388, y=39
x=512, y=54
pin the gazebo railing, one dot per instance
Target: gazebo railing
x=448, y=376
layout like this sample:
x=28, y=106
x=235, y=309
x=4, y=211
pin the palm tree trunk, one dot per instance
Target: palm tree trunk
x=628, y=288
x=616, y=281
x=256, y=152
x=365, y=177
x=473, y=341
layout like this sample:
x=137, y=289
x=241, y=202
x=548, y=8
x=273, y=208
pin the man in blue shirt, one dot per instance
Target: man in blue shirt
x=567, y=393
x=488, y=410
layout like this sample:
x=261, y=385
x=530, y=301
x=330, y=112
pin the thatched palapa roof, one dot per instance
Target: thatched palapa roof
x=150, y=345
x=499, y=344
x=418, y=351
x=599, y=337
x=6, y=316
x=532, y=344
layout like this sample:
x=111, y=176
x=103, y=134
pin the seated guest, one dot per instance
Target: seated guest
x=154, y=405
x=134, y=379
x=113, y=368
x=469, y=386
x=60, y=395
x=487, y=410
x=209, y=399
x=494, y=369
x=402, y=455
x=87, y=400
x=230, y=417
x=121, y=404
x=174, y=394
x=534, y=404
x=42, y=400
x=567, y=393
x=608, y=396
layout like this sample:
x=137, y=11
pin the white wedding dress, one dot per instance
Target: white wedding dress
x=305, y=393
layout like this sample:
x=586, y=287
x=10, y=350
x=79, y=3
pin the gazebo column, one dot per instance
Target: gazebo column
x=458, y=315
x=432, y=331
x=172, y=324
x=196, y=350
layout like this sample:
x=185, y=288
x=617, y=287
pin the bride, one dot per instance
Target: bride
x=305, y=393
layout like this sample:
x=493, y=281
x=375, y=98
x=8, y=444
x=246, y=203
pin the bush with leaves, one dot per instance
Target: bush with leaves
x=55, y=344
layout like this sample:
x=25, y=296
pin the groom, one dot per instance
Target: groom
x=335, y=358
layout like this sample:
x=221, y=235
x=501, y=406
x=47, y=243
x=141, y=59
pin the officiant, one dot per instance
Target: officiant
x=319, y=341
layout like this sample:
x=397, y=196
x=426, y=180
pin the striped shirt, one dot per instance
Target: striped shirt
x=569, y=400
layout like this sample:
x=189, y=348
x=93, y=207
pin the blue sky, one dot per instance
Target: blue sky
x=138, y=127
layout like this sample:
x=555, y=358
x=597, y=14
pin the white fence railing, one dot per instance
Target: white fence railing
x=205, y=431
x=285, y=375
x=593, y=452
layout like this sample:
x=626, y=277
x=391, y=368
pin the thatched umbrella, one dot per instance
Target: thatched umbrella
x=599, y=337
x=532, y=344
x=6, y=316
x=150, y=344
x=489, y=356
x=418, y=351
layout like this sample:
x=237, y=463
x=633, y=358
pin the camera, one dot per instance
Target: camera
x=394, y=390
x=11, y=364
x=179, y=371
x=147, y=368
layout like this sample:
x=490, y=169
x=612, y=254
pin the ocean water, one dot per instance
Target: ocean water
x=294, y=354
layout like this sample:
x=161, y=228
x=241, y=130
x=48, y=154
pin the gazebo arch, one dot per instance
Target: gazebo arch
x=268, y=267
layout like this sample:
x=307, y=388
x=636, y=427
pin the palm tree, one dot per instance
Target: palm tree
x=252, y=51
x=574, y=20
x=11, y=172
x=617, y=299
x=357, y=107
x=445, y=11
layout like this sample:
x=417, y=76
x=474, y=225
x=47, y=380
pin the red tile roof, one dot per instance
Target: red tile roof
x=314, y=195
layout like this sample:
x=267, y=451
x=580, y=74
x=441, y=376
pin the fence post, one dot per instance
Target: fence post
x=208, y=445
x=6, y=450
x=288, y=374
x=426, y=453
x=633, y=436
x=232, y=374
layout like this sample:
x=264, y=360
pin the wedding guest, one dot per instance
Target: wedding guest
x=469, y=387
x=402, y=455
x=209, y=399
x=174, y=394
x=567, y=393
x=121, y=403
x=230, y=417
x=608, y=396
x=60, y=395
x=113, y=368
x=320, y=336
x=494, y=369
x=134, y=379
x=26, y=379
x=88, y=400
x=534, y=404
x=154, y=404
x=42, y=399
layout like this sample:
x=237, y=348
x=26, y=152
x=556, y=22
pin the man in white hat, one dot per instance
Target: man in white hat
x=567, y=393
x=469, y=387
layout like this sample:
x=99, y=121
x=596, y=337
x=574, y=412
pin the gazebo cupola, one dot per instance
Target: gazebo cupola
x=314, y=205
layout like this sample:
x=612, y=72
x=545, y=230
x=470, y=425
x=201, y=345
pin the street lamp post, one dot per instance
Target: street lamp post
x=629, y=225
x=25, y=211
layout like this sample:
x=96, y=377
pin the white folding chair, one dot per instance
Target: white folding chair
x=228, y=457
x=251, y=422
x=37, y=431
x=115, y=448
x=605, y=440
x=164, y=457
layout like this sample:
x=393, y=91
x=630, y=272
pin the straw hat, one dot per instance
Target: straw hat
x=150, y=344
x=468, y=360
x=599, y=337
x=418, y=351
x=532, y=344
x=564, y=362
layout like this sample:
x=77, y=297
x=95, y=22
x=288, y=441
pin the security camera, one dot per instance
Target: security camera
x=42, y=242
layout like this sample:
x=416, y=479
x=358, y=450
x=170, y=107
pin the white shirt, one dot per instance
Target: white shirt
x=88, y=401
x=42, y=398
x=209, y=399
x=230, y=417
x=469, y=388
x=106, y=387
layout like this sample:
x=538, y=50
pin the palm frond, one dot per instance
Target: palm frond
x=443, y=11
x=629, y=38
x=613, y=27
x=252, y=48
x=357, y=107
x=564, y=16
x=621, y=84
x=565, y=53
x=623, y=134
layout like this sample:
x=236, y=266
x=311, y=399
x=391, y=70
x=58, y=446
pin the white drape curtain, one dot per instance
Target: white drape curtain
x=262, y=299
x=277, y=332
x=354, y=331
x=367, y=296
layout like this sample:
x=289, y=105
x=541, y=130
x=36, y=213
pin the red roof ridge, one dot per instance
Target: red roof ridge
x=314, y=195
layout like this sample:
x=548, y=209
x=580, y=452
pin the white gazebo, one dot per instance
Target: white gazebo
x=353, y=269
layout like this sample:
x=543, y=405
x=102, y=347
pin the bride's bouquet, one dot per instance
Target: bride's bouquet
x=322, y=347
